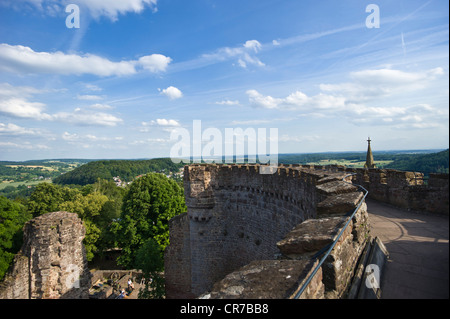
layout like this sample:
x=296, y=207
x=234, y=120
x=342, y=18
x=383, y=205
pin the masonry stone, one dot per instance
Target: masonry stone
x=239, y=218
x=269, y=279
x=52, y=262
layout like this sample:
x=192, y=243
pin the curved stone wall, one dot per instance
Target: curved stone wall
x=237, y=215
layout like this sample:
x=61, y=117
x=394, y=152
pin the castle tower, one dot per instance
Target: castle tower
x=369, y=157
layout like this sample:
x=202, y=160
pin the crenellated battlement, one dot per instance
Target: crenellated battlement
x=237, y=215
x=406, y=190
x=242, y=226
x=403, y=189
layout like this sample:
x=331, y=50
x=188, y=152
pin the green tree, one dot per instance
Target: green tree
x=106, y=170
x=13, y=217
x=149, y=204
x=45, y=198
x=110, y=212
x=89, y=207
x=149, y=260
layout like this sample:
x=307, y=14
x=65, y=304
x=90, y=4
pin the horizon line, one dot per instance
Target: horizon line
x=433, y=150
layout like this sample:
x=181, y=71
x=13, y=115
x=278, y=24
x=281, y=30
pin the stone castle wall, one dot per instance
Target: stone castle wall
x=52, y=262
x=237, y=216
x=242, y=226
x=405, y=190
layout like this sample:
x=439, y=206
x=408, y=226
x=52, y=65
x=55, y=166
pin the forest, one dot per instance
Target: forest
x=127, y=170
x=417, y=161
x=28, y=170
x=425, y=163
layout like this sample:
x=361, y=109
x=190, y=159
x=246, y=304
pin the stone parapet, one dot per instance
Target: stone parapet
x=403, y=189
x=237, y=220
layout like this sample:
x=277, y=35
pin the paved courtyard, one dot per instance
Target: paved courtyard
x=418, y=246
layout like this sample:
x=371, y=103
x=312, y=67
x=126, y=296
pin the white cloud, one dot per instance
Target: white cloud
x=258, y=100
x=244, y=54
x=18, y=107
x=96, y=8
x=113, y=8
x=163, y=122
x=99, y=106
x=250, y=122
x=14, y=102
x=24, y=145
x=367, y=100
x=151, y=141
x=24, y=60
x=89, y=97
x=374, y=84
x=155, y=62
x=21, y=108
x=394, y=77
x=295, y=101
x=13, y=129
x=253, y=45
x=298, y=139
x=228, y=102
x=88, y=137
x=7, y=90
x=167, y=125
x=87, y=118
x=93, y=87
x=172, y=93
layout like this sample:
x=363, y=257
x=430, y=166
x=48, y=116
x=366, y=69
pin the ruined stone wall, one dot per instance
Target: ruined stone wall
x=52, y=261
x=237, y=215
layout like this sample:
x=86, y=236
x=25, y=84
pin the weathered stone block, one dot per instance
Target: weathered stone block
x=336, y=187
x=339, y=204
x=269, y=279
x=310, y=236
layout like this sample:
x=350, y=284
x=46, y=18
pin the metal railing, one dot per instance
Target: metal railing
x=330, y=247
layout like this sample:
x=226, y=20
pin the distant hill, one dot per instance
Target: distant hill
x=127, y=170
x=88, y=173
x=413, y=160
x=47, y=162
x=427, y=163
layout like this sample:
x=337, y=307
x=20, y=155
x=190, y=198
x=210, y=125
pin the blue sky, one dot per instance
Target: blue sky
x=137, y=69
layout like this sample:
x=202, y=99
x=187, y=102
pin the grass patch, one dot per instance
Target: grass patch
x=348, y=163
x=26, y=183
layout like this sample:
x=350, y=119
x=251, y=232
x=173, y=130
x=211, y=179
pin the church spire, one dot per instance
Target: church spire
x=369, y=157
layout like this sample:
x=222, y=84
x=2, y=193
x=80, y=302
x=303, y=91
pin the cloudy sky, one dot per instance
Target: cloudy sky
x=320, y=72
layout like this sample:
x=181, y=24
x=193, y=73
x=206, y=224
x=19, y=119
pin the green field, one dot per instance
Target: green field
x=348, y=163
x=26, y=183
